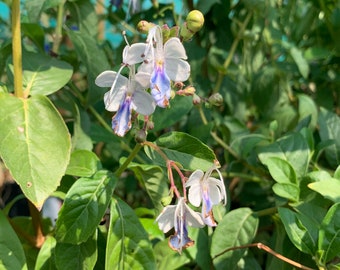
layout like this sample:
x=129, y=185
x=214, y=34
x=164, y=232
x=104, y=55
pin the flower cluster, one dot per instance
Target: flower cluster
x=159, y=63
x=203, y=190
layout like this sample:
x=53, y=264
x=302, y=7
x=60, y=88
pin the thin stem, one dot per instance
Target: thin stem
x=58, y=31
x=269, y=250
x=232, y=52
x=171, y=178
x=252, y=178
x=183, y=178
x=37, y=225
x=266, y=212
x=204, y=119
x=17, y=50
x=157, y=149
x=224, y=145
x=132, y=155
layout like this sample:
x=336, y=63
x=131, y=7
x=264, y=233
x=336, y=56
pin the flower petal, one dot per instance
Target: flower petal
x=112, y=99
x=106, y=79
x=121, y=121
x=194, y=178
x=166, y=218
x=142, y=102
x=160, y=87
x=134, y=54
x=173, y=48
x=195, y=196
x=178, y=70
x=193, y=218
x=177, y=243
x=143, y=78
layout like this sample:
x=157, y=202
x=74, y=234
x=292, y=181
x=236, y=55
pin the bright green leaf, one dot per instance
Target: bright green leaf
x=280, y=170
x=187, y=150
x=237, y=228
x=128, y=246
x=84, y=206
x=329, y=235
x=326, y=185
x=11, y=252
x=297, y=230
x=43, y=74
x=83, y=163
x=81, y=256
x=45, y=259
x=154, y=180
x=34, y=144
x=287, y=190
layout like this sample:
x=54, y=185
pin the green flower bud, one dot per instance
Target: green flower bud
x=174, y=31
x=195, y=20
x=166, y=200
x=144, y=26
x=140, y=136
x=185, y=33
x=165, y=32
x=216, y=99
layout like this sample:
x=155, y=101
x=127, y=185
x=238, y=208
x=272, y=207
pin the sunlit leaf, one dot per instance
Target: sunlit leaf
x=128, y=246
x=45, y=259
x=34, y=144
x=84, y=206
x=11, y=252
x=83, y=163
x=237, y=228
x=326, y=185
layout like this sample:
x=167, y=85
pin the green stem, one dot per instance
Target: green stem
x=243, y=176
x=132, y=155
x=58, y=31
x=266, y=212
x=231, y=53
x=17, y=50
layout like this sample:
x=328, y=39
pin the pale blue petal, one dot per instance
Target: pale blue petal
x=142, y=102
x=173, y=48
x=160, y=87
x=121, y=121
x=166, y=219
x=194, y=178
x=107, y=78
x=113, y=99
x=134, y=54
x=178, y=70
x=193, y=218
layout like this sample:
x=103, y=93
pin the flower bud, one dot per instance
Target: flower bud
x=195, y=20
x=140, y=136
x=196, y=99
x=165, y=32
x=216, y=99
x=150, y=125
x=185, y=33
x=174, y=31
x=144, y=26
x=166, y=200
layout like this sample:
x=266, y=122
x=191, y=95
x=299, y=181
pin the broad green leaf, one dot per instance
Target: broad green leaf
x=180, y=147
x=83, y=163
x=329, y=235
x=43, y=74
x=337, y=173
x=34, y=32
x=329, y=129
x=154, y=180
x=164, y=118
x=280, y=170
x=80, y=256
x=237, y=228
x=292, y=148
x=84, y=206
x=296, y=226
x=34, y=144
x=45, y=259
x=308, y=108
x=80, y=139
x=287, y=191
x=326, y=185
x=94, y=59
x=127, y=246
x=12, y=255
x=300, y=61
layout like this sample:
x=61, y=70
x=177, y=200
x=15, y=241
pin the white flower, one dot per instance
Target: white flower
x=164, y=63
x=124, y=96
x=178, y=217
x=208, y=190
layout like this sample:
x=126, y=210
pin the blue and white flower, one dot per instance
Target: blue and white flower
x=206, y=190
x=178, y=217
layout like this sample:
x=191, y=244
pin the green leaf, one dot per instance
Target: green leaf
x=307, y=108
x=84, y=206
x=180, y=147
x=34, y=144
x=12, y=255
x=83, y=163
x=237, y=228
x=94, y=59
x=81, y=256
x=287, y=190
x=154, y=180
x=80, y=139
x=329, y=235
x=128, y=246
x=329, y=129
x=167, y=259
x=300, y=61
x=292, y=148
x=164, y=118
x=45, y=259
x=280, y=170
x=43, y=74
x=296, y=226
x=34, y=32
x=326, y=185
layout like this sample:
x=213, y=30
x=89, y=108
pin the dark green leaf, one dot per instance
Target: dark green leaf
x=128, y=246
x=45, y=259
x=180, y=147
x=81, y=256
x=84, y=206
x=34, y=144
x=11, y=252
x=300, y=61
x=237, y=228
